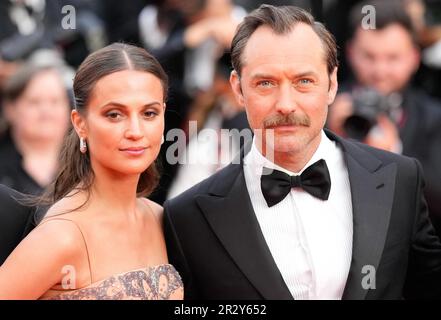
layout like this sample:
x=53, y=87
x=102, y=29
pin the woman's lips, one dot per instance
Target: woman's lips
x=134, y=151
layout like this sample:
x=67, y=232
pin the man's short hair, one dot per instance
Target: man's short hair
x=281, y=20
x=386, y=13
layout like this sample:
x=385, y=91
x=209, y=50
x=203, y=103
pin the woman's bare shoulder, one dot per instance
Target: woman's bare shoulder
x=153, y=207
x=54, y=231
x=53, y=242
x=37, y=263
x=67, y=208
x=63, y=218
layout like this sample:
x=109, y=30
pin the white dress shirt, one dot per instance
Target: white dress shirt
x=310, y=239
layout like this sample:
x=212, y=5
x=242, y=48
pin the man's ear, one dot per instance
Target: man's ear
x=333, y=86
x=416, y=59
x=78, y=123
x=237, y=89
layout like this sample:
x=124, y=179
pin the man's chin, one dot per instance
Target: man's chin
x=287, y=144
x=290, y=143
x=288, y=148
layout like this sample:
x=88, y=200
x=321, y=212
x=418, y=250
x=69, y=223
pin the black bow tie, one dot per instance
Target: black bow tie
x=276, y=184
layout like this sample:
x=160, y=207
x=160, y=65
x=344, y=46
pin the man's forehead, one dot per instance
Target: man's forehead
x=291, y=70
x=300, y=45
x=301, y=38
x=288, y=58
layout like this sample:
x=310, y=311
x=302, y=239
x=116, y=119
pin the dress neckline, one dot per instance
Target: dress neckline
x=158, y=282
x=115, y=275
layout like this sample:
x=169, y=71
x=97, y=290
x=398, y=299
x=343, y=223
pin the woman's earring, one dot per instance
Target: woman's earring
x=162, y=140
x=83, y=145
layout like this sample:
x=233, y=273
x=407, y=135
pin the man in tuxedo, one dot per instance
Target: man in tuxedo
x=15, y=221
x=304, y=214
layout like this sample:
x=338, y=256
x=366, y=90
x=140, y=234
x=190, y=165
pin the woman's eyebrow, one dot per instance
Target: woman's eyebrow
x=121, y=105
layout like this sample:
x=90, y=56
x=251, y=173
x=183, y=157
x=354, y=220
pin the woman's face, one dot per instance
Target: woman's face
x=40, y=114
x=124, y=122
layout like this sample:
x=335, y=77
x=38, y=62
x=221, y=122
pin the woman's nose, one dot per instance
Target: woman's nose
x=134, y=129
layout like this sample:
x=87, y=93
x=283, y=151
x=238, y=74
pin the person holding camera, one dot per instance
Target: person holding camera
x=381, y=107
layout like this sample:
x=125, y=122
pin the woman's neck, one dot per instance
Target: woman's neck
x=115, y=192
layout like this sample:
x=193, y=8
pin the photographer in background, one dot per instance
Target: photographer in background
x=29, y=25
x=188, y=38
x=381, y=107
x=215, y=110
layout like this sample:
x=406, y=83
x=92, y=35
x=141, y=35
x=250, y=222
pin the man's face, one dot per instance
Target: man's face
x=285, y=87
x=383, y=59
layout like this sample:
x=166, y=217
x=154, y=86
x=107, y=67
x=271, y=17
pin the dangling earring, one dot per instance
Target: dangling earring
x=162, y=140
x=83, y=145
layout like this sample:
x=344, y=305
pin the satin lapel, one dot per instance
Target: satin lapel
x=232, y=218
x=372, y=189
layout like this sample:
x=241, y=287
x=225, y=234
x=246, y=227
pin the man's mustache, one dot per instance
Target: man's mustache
x=292, y=119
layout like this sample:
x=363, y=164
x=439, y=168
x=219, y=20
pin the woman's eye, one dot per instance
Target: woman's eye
x=113, y=115
x=150, y=114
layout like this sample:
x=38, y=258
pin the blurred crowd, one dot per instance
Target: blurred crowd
x=389, y=78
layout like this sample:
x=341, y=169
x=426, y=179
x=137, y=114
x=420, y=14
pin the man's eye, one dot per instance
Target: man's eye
x=305, y=81
x=265, y=83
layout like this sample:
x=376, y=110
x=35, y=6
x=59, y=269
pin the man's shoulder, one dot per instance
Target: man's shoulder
x=386, y=157
x=218, y=181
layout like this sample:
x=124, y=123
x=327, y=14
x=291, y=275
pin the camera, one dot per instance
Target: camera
x=367, y=104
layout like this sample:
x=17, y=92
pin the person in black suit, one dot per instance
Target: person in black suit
x=302, y=213
x=385, y=59
x=16, y=220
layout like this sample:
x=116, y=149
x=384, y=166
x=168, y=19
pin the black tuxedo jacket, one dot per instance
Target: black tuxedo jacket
x=15, y=221
x=215, y=242
x=421, y=137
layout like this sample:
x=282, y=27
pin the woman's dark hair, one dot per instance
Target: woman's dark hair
x=75, y=168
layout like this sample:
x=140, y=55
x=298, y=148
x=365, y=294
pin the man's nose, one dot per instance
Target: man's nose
x=380, y=69
x=286, y=102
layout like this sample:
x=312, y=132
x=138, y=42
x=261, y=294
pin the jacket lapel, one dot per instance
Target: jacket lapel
x=229, y=212
x=372, y=191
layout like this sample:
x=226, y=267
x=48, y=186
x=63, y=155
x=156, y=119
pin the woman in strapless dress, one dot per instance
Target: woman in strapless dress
x=101, y=238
